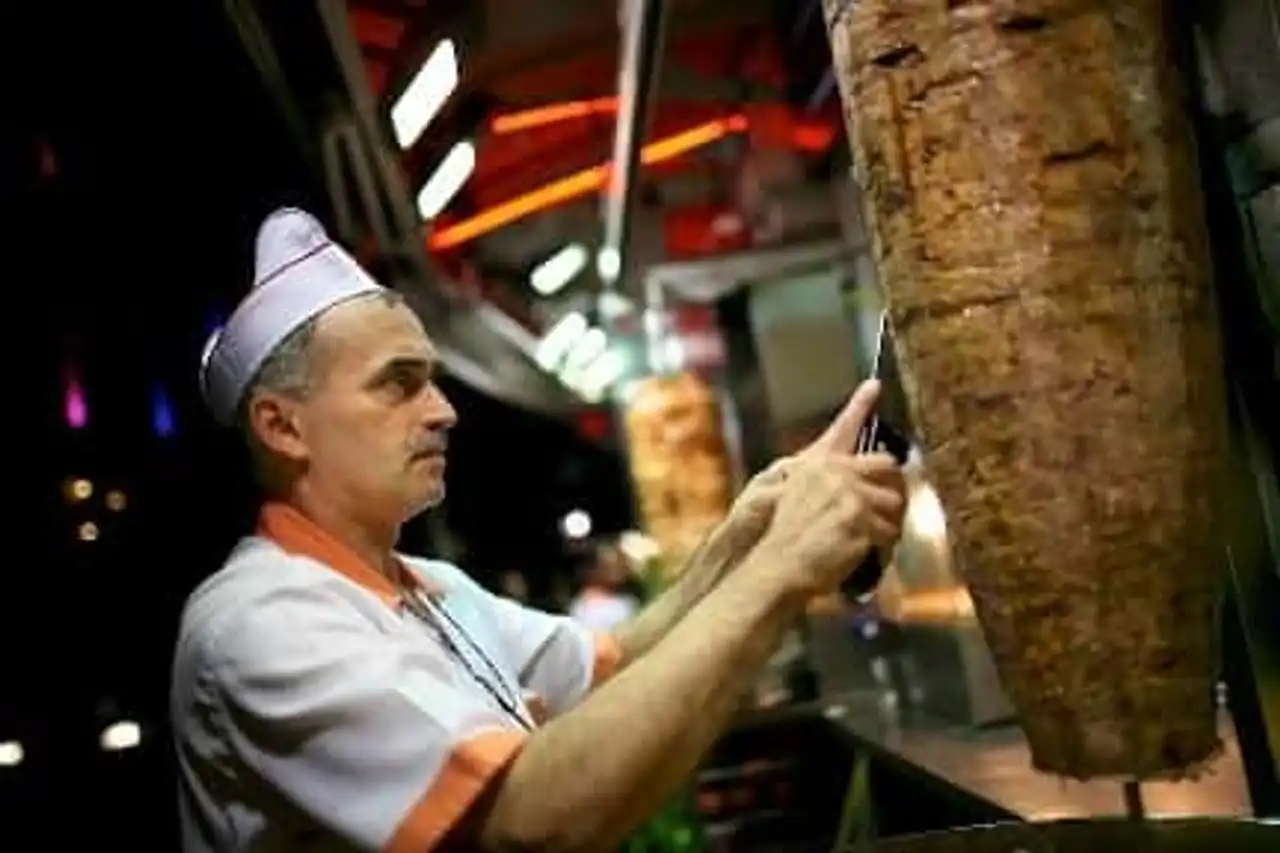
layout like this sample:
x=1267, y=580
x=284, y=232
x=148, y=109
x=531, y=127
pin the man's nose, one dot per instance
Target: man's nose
x=440, y=413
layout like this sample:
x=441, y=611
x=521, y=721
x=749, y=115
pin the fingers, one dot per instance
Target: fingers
x=834, y=509
x=889, y=503
x=765, y=488
x=874, y=483
x=842, y=435
x=882, y=533
x=878, y=483
x=877, y=467
x=751, y=513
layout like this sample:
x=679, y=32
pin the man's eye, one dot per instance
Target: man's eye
x=408, y=383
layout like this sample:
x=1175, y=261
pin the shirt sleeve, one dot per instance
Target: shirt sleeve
x=558, y=659
x=371, y=738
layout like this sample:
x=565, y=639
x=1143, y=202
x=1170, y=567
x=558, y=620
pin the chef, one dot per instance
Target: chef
x=330, y=693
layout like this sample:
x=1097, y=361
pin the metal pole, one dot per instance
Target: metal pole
x=642, y=27
x=655, y=325
x=1251, y=623
x=1134, y=808
x=405, y=226
x=262, y=52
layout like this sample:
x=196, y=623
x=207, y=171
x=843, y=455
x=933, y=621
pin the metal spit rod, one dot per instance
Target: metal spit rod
x=1134, y=808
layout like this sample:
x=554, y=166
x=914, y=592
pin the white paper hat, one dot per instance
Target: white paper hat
x=299, y=273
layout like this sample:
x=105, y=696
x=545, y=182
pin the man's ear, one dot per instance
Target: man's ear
x=276, y=424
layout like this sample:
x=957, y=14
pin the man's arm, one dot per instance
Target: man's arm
x=591, y=776
x=674, y=702
x=730, y=541
x=723, y=549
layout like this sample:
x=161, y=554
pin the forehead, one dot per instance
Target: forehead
x=367, y=333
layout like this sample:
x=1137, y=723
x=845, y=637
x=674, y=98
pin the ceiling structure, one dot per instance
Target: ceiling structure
x=740, y=138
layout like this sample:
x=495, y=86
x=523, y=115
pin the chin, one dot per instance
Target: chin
x=428, y=500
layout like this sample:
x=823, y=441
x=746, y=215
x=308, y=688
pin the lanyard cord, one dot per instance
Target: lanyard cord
x=434, y=614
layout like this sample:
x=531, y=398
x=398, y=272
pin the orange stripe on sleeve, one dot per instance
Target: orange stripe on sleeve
x=470, y=768
x=607, y=660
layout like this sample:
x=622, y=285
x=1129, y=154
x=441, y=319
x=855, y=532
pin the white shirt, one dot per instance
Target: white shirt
x=314, y=710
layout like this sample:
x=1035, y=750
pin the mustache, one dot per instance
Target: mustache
x=433, y=447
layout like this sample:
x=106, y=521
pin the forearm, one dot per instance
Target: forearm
x=703, y=571
x=593, y=775
x=710, y=563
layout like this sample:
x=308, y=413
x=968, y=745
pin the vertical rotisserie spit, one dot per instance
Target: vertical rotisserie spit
x=679, y=462
x=1032, y=192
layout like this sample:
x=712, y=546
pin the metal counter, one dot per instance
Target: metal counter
x=994, y=764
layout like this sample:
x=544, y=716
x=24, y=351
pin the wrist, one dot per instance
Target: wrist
x=770, y=569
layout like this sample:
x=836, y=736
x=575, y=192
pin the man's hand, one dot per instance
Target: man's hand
x=841, y=436
x=752, y=512
x=832, y=511
x=750, y=517
x=690, y=656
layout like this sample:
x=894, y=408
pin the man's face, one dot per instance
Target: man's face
x=373, y=431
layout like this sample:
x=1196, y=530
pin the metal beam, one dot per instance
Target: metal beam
x=333, y=13
x=1252, y=616
x=476, y=342
x=258, y=45
x=642, y=29
x=599, y=38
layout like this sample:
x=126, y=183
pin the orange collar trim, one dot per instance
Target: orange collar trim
x=299, y=535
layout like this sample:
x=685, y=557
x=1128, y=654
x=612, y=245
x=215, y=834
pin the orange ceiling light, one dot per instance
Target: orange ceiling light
x=551, y=114
x=809, y=136
x=579, y=184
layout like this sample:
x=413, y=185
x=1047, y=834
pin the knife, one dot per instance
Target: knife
x=877, y=437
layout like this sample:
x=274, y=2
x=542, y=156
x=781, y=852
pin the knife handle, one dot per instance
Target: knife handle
x=867, y=576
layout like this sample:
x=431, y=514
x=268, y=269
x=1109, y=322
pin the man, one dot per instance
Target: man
x=331, y=694
x=513, y=585
x=603, y=603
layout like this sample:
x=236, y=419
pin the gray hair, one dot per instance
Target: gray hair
x=290, y=372
x=288, y=369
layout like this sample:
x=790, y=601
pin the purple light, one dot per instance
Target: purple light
x=77, y=411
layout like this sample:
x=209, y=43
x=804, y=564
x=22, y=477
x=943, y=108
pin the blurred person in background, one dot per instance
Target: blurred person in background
x=513, y=585
x=605, y=602
x=332, y=693
x=560, y=596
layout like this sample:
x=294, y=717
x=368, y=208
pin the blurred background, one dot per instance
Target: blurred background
x=465, y=152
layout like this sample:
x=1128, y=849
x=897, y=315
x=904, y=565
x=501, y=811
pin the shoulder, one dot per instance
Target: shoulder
x=455, y=585
x=266, y=604
x=445, y=576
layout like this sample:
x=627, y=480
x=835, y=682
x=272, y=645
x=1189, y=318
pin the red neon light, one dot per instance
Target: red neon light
x=539, y=116
x=579, y=184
